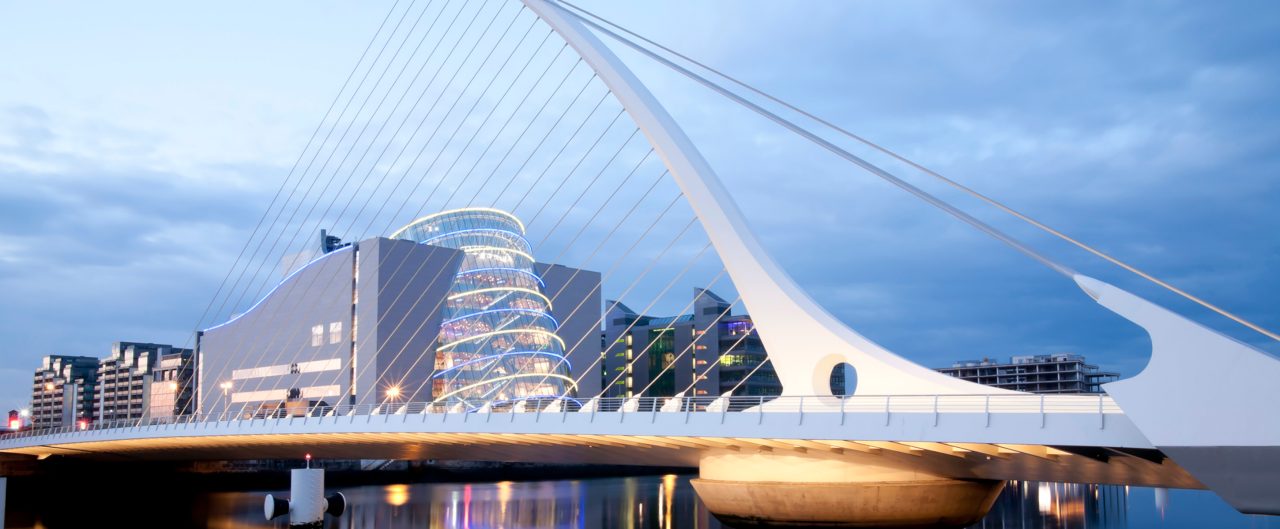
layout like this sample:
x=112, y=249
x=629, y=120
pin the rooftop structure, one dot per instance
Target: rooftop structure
x=1052, y=373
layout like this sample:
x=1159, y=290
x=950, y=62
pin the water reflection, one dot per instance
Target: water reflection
x=1059, y=505
x=655, y=502
x=662, y=502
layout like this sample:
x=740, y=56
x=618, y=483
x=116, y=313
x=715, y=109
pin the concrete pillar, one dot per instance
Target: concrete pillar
x=3, y=493
x=785, y=489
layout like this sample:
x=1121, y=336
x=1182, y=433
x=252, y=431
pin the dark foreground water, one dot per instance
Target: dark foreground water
x=661, y=502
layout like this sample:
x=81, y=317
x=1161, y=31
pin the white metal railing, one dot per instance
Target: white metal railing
x=886, y=405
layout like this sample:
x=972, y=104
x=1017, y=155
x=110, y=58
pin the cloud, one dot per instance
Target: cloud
x=127, y=188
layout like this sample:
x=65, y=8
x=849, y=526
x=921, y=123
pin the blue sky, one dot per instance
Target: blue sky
x=140, y=143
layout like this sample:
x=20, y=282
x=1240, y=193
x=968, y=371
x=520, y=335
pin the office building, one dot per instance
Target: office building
x=510, y=325
x=450, y=308
x=656, y=356
x=173, y=388
x=1052, y=373
x=124, y=382
x=62, y=391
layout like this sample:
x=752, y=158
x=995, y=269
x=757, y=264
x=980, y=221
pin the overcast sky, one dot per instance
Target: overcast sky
x=141, y=142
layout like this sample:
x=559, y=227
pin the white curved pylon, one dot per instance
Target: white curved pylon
x=1205, y=400
x=805, y=342
x=1200, y=388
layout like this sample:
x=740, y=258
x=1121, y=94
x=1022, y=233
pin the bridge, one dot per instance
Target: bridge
x=982, y=437
x=905, y=435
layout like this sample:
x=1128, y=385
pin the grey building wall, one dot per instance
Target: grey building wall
x=575, y=304
x=708, y=311
x=269, y=349
x=385, y=298
x=401, y=291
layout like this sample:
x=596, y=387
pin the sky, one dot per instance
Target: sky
x=140, y=143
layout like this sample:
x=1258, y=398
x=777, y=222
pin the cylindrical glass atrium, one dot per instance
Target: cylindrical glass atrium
x=497, y=341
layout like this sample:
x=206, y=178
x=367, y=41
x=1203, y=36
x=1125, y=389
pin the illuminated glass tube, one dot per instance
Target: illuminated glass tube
x=497, y=341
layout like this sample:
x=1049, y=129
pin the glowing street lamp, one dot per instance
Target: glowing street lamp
x=226, y=404
x=393, y=393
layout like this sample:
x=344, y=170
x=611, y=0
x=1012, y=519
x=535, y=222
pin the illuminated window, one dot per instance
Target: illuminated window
x=317, y=335
x=335, y=332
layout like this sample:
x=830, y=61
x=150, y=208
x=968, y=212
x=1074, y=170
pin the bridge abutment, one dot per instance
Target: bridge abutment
x=770, y=489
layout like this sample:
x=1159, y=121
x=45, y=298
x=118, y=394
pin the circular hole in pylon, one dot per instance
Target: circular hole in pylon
x=844, y=379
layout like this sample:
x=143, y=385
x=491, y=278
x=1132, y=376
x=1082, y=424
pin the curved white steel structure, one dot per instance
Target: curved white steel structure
x=1220, y=424
x=805, y=341
x=1231, y=438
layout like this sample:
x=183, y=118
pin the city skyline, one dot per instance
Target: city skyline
x=964, y=181
x=116, y=202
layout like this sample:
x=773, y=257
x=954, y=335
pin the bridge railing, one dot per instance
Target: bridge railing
x=857, y=404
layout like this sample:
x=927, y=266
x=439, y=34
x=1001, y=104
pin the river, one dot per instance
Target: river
x=651, y=502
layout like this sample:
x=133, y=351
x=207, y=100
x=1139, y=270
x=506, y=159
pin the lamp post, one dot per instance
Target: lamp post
x=226, y=404
x=393, y=392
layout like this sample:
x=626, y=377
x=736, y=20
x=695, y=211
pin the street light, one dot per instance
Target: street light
x=393, y=393
x=226, y=405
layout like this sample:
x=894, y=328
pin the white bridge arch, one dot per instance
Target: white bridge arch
x=1172, y=400
x=805, y=341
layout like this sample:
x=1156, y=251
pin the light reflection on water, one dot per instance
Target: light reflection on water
x=667, y=502
x=661, y=502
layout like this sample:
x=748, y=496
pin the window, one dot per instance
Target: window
x=317, y=335
x=335, y=332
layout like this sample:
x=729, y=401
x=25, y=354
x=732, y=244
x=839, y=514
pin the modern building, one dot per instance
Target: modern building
x=1052, y=373
x=173, y=387
x=656, y=356
x=124, y=383
x=510, y=325
x=62, y=391
x=451, y=307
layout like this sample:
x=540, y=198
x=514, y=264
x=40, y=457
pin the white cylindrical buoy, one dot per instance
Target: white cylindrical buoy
x=306, y=496
x=307, y=504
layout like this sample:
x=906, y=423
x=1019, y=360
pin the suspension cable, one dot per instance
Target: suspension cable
x=957, y=185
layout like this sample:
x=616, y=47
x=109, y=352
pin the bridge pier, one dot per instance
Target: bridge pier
x=769, y=489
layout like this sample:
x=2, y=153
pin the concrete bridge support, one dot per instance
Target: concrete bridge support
x=775, y=489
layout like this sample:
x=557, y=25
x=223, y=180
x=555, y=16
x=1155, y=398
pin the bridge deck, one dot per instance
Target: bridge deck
x=1006, y=441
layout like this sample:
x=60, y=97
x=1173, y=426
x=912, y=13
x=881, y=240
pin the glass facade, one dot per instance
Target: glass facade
x=497, y=341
